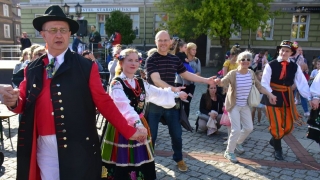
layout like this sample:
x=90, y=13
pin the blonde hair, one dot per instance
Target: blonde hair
x=32, y=48
x=190, y=45
x=235, y=51
x=123, y=54
x=24, y=52
x=38, y=49
x=151, y=51
x=245, y=53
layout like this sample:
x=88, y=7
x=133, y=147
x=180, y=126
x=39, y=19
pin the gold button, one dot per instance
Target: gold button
x=59, y=93
x=62, y=116
x=93, y=145
x=61, y=109
x=58, y=85
x=65, y=146
x=87, y=138
x=64, y=138
x=52, y=113
x=94, y=152
x=64, y=131
x=60, y=101
x=62, y=124
x=34, y=85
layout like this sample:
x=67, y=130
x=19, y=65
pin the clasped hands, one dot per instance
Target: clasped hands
x=10, y=95
x=140, y=135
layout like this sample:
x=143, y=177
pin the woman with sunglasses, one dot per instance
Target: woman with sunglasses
x=240, y=81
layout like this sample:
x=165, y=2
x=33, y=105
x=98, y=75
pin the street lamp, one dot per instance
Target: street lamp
x=78, y=9
x=66, y=9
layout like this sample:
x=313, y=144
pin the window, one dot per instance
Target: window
x=300, y=26
x=135, y=23
x=18, y=30
x=101, y=22
x=160, y=22
x=6, y=10
x=236, y=34
x=265, y=31
x=6, y=30
x=19, y=12
x=37, y=33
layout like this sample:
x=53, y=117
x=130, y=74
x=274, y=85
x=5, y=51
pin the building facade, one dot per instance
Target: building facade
x=300, y=21
x=146, y=18
x=9, y=22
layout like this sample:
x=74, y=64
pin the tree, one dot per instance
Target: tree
x=219, y=18
x=119, y=21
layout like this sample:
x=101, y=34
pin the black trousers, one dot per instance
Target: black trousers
x=189, y=89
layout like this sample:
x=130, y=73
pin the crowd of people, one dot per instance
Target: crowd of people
x=57, y=92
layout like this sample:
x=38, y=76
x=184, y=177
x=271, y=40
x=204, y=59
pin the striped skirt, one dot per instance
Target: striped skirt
x=126, y=159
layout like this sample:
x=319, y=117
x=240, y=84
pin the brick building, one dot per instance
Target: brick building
x=10, y=24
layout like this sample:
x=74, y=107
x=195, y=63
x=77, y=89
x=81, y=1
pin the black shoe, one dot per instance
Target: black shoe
x=278, y=154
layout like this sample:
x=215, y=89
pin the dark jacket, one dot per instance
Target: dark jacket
x=77, y=137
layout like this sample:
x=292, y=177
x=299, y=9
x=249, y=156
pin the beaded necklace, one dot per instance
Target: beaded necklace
x=137, y=90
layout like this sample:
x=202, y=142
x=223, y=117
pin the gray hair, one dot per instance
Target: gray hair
x=244, y=54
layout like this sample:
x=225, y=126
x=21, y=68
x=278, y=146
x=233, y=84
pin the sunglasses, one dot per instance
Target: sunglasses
x=245, y=60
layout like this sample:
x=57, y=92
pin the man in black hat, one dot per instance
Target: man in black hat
x=58, y=99
x=278, y=77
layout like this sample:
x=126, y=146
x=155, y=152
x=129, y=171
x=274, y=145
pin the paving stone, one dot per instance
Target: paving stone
x=313, y=173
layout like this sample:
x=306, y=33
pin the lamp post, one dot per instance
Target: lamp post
x=66, y=10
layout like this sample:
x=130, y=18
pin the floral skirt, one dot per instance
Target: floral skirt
x=124, y=159
x=314, y=125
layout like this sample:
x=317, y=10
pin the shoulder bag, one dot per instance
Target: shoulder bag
x=254, y=95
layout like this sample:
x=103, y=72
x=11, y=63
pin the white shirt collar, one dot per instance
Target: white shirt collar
x=60, y=57
x=130, y=81
x=280, y=60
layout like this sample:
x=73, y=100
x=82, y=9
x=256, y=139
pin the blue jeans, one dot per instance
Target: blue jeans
x=172, y=118
x=304, y=101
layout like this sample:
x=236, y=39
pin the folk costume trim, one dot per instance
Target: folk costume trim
x=126, y=145
x=128, y=164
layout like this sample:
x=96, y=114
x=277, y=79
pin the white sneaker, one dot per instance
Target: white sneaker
x=225, y=143
x=306, y=114
x=239, y=149
x=231, y=157
x=258, y=124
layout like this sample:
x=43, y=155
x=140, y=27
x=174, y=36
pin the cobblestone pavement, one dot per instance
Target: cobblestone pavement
x=204, y=154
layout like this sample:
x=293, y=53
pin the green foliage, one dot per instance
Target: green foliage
x=192, y=18
x=121, y=22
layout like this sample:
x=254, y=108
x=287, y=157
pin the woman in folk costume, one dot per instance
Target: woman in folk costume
x=314, y=119
x=125, y=159
x=278, y=77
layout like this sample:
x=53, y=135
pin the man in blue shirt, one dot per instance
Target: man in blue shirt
x=75, y=44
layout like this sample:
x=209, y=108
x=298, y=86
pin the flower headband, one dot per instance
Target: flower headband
x=121, y=56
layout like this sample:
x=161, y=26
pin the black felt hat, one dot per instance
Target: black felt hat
x=55, y=13
x=292, y=45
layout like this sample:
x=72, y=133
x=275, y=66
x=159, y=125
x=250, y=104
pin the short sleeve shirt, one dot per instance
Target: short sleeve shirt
x=230, y=65
x=167, y=66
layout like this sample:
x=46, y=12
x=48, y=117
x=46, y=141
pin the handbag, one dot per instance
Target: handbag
x=184, y=121
x=254, y=95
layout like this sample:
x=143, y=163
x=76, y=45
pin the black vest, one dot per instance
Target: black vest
x=137, y=103
x=288, y=80
x=74, y=118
